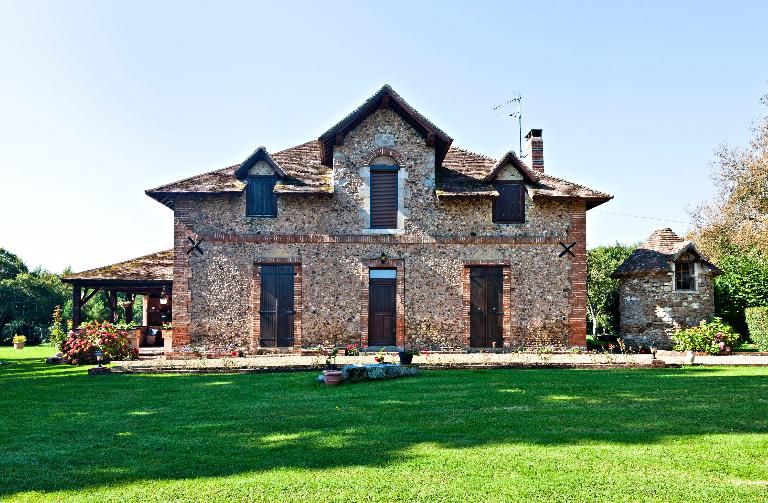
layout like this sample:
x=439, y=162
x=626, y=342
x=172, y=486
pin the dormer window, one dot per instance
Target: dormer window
x=685, y=272
x=509, y=207
x=261, y=200
x=384, y=187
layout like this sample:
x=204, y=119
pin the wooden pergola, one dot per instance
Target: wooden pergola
x=149, y=275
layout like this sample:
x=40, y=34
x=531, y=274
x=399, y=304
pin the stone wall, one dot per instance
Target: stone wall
x=333, y=276
x=652, y=311
x=328, y=236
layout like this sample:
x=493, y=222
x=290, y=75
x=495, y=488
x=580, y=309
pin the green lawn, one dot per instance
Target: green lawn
x=558, y=435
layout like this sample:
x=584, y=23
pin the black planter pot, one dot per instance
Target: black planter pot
x=405, y=358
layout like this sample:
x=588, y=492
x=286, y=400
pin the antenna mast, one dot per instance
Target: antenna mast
x=513, y=107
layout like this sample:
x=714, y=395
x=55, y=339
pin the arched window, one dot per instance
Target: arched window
x=383, y=196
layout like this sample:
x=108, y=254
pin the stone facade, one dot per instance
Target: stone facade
x=652, y=310
x=327, y=239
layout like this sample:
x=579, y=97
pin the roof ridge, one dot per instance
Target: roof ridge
x=467, y=151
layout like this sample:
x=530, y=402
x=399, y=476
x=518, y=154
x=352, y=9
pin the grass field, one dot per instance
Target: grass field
x=558, y=435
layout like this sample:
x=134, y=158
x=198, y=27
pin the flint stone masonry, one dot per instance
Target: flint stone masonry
x=652, y=310
x=329, y=236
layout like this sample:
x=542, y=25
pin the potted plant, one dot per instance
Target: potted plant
x=379, y=358
x=352, y=350
x=331, y=376
x=407, y=354
x=18, y=341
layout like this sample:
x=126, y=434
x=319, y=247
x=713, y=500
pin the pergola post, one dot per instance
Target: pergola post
x=76, y=305
x=128, y=306
x=112, y=303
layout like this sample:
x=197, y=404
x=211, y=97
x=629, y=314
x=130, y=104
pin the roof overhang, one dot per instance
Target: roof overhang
x=386, y=98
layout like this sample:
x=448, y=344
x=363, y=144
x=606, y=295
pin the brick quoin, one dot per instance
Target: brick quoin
x=182, y=274
x=577, y=232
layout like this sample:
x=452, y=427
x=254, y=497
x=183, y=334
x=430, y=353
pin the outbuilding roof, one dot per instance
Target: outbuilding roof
x=153, y=267
x=657, y=252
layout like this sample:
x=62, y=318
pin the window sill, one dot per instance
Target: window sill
x=261, y=216
x=383, y=231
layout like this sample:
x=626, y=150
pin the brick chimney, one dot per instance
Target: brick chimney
x=534, y=150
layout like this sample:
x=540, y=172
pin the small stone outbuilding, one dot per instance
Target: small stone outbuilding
x=665, y=284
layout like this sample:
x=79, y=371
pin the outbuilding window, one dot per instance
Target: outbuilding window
x=261, y=200
x=509, y=207
x=685, y=273
x=383, y=197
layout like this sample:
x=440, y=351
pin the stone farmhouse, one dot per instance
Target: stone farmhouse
x=664, y=285
x=380, y=232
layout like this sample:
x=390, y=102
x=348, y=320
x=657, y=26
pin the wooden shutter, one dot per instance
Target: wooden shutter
x=384, y=199
x=510, y=205
x=261, y=200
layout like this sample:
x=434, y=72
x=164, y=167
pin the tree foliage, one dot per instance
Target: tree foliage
x=743, y=284
x=27, y=302
x=737, y=213
x=10, y=265
x=602, y=290
x=732, y=226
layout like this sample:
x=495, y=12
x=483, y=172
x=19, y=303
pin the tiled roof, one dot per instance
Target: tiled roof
x=462, y=174
x=153, y=267
x=655, y=254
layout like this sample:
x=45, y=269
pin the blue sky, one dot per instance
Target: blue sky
x=101, y=100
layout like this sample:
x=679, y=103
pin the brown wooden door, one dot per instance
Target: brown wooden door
x=276, y=310
x=486, y=311
x=381, y=312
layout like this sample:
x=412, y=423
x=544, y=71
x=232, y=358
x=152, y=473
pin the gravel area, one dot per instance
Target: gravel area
x=438, y=360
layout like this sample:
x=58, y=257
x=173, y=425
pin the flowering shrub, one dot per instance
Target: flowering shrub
x=352, y=350
x=81, y=346
x=712, y=337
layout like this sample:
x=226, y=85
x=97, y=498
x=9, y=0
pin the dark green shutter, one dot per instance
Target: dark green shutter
x=261, y=200
x=509, y=207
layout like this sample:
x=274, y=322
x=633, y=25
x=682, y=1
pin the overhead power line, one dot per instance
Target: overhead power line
x=687, y=222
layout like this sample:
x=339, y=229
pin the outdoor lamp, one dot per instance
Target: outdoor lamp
x=653, y=351
x=383, y=258
x=99, y=356
x=164, y=296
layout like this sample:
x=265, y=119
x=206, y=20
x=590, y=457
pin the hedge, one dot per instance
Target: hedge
x=757, y=321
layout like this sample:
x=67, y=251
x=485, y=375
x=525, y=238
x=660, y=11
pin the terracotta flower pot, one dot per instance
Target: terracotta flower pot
x=332, y=377
x=18, y=345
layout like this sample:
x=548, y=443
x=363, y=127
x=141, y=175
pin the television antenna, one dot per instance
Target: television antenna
x=513, y=107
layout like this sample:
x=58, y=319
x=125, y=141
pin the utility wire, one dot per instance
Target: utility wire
x=643, y=217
